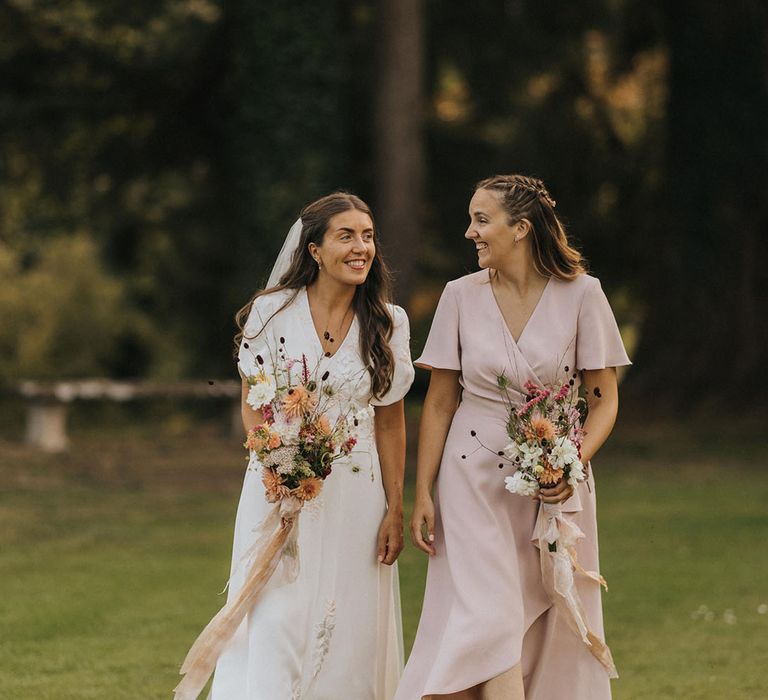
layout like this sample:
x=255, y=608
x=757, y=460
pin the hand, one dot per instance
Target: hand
x=423, y=515
x=390, y=539
x=560, y=492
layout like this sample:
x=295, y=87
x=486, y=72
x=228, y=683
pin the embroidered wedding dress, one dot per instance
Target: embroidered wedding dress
x=335, y=631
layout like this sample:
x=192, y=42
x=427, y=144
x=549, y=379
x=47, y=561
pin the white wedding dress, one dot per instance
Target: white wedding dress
x=335, y=632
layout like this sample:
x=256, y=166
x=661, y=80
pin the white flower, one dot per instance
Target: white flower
x=563, y=453
x=517, y=483
x=262, y=391
x=512, y=451
x=575, y=473
x=529, y=455
x=287, y=429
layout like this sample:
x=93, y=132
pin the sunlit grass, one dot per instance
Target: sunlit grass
x=111, y=559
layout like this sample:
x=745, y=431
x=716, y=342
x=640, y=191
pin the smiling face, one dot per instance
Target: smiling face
x=347, y=249
x=489, y=229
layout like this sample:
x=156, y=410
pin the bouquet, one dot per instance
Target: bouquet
x=296, y=444
x=545, y=447
x=545, y=434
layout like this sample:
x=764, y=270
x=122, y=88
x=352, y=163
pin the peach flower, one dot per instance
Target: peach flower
x=274, y=441
x=323, y=425
x=543, y=428
x=298, y=401
x=274, y=486
x=550, y=476
x=253, y=442
x=308, y=488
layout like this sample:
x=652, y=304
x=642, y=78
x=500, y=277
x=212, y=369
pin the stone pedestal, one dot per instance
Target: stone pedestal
x=47, y=426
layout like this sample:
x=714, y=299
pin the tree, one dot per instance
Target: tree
x=705, y=334
x=399, y=151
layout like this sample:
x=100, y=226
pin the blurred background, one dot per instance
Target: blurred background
x=154, y=155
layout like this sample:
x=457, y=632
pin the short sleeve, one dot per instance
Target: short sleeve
x=443, y=349
x=400, y=344
x=255, y=340
x=598, y=341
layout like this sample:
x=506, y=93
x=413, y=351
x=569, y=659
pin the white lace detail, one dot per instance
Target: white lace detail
x=323, y=634
x=296, y=690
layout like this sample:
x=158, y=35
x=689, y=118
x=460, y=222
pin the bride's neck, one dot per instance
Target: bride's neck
x=328, y=295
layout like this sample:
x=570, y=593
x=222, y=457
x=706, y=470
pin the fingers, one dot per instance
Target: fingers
x=394, y=547
x=381, y=546
x=390, y=544
x=417, y=534
x=558, y=494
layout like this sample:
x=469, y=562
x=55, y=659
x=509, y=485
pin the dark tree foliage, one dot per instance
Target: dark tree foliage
x=706, y=282
x=182, y=137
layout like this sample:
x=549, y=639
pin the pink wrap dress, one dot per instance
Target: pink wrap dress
x=485, y=608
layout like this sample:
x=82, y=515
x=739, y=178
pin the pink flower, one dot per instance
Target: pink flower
x=528, y=406
x=563, y=392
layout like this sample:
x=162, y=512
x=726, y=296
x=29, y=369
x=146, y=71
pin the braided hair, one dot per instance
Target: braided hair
x=525, y=197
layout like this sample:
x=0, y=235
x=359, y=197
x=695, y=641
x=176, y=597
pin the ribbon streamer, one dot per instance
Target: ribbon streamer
x=276, y=538
x=556, y=537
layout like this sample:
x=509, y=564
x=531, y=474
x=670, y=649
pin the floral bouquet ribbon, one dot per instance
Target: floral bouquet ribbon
x=556, y=537
x=276, y=538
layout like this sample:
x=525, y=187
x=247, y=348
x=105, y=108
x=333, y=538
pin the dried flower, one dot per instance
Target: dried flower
x=282, y=459
x=273, y=484
x=542, y=428
x=308, y=489
x=298, y=401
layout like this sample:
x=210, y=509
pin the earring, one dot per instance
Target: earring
x=319, y=263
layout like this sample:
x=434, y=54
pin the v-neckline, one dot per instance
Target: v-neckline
x=316, y=337
x=528, y=320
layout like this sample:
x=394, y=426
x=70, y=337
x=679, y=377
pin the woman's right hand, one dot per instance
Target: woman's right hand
x=423, y=524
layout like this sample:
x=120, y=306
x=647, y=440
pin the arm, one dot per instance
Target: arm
x=250, y=416
x=603, y=407
x=389, y=424
x=439, y=406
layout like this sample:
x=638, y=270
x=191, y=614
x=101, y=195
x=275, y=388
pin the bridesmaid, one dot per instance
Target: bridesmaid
x=488, y=630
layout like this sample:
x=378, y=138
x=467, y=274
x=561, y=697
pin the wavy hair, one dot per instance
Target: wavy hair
x=371, y=297
x=525, y=197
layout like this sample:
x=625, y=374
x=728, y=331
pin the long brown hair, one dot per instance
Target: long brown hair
x=371, y=297
x=525, y=197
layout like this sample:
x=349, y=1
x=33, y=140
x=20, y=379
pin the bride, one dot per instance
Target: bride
x=335, y=631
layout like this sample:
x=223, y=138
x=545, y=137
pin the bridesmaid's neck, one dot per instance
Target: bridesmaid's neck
x=518, y=274
x=328, y=294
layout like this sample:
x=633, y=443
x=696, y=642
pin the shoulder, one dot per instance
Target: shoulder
x=265, y=306
x=274, y=300
x=399, y=317
x=467, y=284
x=579, y=287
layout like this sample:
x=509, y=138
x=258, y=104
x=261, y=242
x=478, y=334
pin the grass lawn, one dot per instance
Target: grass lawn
x=111, y=558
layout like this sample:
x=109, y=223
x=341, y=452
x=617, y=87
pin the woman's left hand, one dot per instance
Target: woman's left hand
x=560, y=492
x=390, y=539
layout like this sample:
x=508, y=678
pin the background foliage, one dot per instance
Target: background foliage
x=171, y=144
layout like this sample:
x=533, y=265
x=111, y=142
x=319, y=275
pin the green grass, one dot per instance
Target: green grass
x=111, y=557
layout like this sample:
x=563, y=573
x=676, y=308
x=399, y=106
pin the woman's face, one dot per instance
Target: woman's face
x=347, y=249
x=490, y=231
